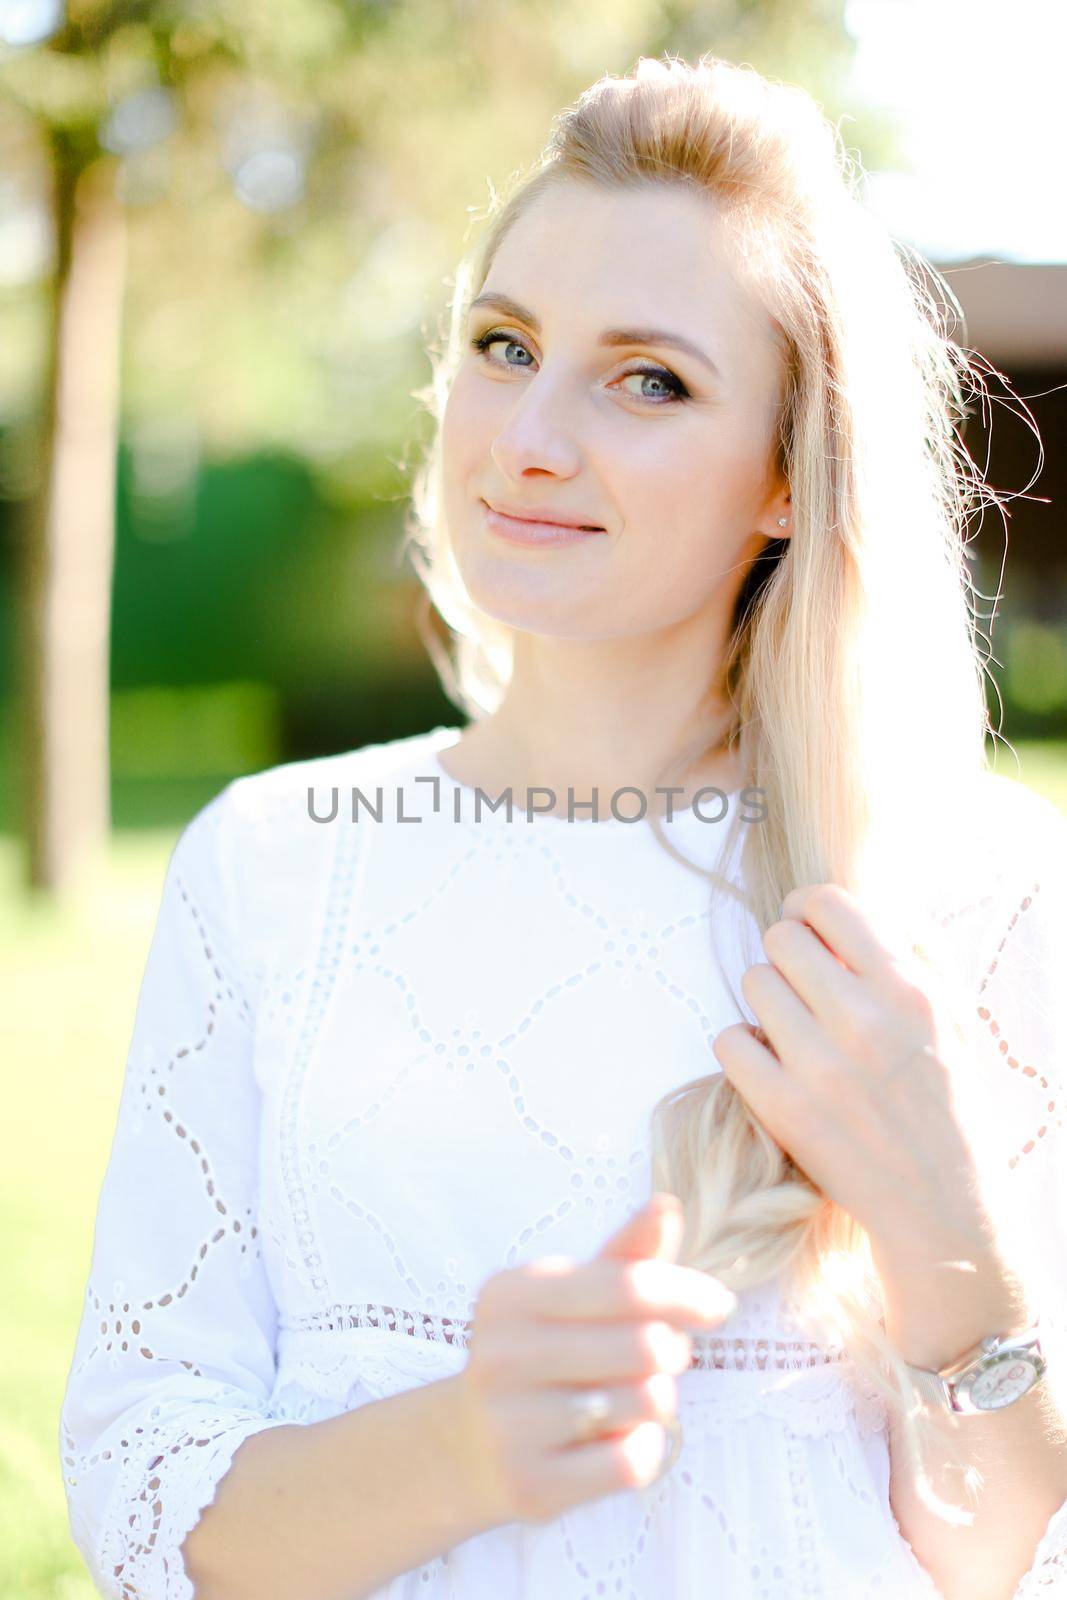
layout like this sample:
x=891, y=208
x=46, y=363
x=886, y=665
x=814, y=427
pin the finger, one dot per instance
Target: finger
x=793, y=1030
x=548, y=1418
x=654, y=1399
x=591, y=1352
x=609, y=1289
x=812, y=970
x=759, y=1079
x=838, y=918
x=656, y=1229
x=634, y=1459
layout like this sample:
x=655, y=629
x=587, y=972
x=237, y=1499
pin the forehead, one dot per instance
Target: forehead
x=584, y=257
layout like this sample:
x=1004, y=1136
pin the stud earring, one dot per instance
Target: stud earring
x=783, y=522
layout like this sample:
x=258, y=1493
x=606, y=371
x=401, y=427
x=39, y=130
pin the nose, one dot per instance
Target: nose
x=536, y=437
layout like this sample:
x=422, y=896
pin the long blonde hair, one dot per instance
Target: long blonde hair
x=853, y=669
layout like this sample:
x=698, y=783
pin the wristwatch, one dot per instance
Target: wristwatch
x=989, y=1376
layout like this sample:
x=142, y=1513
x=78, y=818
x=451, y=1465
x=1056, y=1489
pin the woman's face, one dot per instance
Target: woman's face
x=668, y=450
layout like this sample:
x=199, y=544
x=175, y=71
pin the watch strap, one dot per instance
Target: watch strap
x=931, y=1387
x=935, y=1387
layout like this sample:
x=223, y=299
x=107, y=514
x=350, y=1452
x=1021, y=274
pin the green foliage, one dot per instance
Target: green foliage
x=1036, y=679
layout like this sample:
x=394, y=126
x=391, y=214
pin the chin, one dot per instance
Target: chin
x=535, y=600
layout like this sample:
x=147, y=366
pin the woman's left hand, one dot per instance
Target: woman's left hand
x=853, y=1081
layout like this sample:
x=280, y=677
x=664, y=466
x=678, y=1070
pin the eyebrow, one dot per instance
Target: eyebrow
x=610, y=336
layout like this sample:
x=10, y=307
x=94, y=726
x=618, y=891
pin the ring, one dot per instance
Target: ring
x=590, y=1409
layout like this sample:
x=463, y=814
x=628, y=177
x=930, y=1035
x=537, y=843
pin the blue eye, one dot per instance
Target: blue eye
x=677, y=390
x=488, y=339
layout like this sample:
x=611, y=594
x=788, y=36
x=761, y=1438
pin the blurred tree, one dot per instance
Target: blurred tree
x=68, y=553
x=285, y=189
x=107, y=84
x=66, y=570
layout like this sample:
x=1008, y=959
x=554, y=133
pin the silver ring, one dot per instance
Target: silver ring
x=590, y=1409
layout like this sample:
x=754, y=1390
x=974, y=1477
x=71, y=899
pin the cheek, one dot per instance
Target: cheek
x=698, y=491
x=455, y=426
x=472, y=413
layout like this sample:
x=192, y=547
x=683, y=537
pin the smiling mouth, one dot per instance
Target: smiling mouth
x=533, y=534
x=544, y=522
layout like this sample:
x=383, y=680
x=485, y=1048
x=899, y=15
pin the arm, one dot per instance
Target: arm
x=332, y=1510
x=1017, y=1542
x=1019, y=1452
x=173, y=1364
x=170, y=1388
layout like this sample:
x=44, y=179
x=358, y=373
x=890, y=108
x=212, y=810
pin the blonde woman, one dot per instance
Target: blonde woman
x=511, y=1198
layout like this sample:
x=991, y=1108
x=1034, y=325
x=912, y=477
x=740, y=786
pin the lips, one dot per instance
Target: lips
x=542, y=514
x=538, y=535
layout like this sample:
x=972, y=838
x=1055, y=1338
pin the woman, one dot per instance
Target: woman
x=458, y=1117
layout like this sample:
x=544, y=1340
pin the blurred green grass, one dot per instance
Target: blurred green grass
x=74, y=981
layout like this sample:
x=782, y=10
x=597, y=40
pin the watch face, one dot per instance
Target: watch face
x=1004, y=1380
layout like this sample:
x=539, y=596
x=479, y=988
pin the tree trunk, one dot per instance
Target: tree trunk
x=68, y=554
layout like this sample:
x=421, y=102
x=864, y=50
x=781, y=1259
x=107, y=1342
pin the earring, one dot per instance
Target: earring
x=783, y=522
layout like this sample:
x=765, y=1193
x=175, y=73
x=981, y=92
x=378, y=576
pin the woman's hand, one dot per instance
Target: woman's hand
x=848, y=1073
x=556, y=1328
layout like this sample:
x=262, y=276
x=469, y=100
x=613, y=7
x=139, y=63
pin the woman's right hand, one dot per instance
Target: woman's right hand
x=553, y=1328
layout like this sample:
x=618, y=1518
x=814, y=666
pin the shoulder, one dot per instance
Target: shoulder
x=994, y=922
x=1019, y=810
x=1031, y=836
x=1026, y=854
x=271, y=860
x=277, y=798
x=1002, y=837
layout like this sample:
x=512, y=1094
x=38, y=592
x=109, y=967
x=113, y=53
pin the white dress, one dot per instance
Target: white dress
x=374, y=1062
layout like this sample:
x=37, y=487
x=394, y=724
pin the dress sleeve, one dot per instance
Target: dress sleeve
x=174, y=1360
x=1021, y=1019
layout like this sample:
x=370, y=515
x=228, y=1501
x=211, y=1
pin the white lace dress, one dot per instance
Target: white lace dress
x=373, y=1063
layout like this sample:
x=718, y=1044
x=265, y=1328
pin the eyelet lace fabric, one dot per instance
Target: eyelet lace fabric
x=809, y=1386
x=335, y=1123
